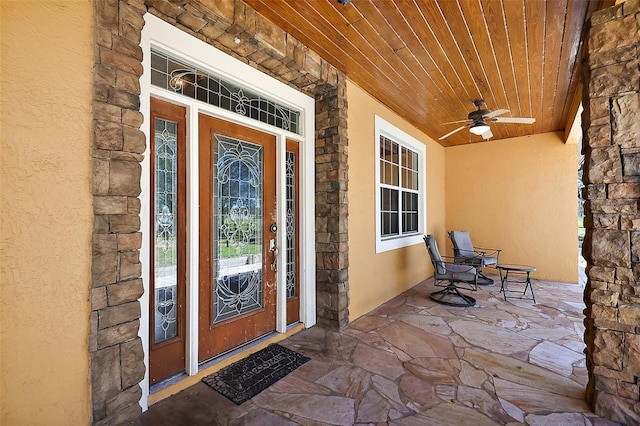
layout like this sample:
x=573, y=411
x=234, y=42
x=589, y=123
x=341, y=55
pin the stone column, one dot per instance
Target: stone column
x=117, y=364
x=332, y=245
x=611, y=125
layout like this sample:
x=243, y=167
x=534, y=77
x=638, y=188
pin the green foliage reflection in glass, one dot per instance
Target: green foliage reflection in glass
x=165, y=193
x=165, y=230
x=239, y=198
x=237, y=228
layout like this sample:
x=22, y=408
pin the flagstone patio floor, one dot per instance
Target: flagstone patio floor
x=412, y=361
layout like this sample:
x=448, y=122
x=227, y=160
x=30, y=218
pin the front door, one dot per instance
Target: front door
x=237, y=297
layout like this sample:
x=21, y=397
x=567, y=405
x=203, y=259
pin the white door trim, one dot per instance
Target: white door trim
x=166, y=37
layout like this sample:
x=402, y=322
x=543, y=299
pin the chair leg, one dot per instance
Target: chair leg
x=452, y=296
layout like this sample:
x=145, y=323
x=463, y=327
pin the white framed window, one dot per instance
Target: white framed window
x=400, y=187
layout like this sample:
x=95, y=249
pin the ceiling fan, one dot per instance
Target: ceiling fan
x=477, y=121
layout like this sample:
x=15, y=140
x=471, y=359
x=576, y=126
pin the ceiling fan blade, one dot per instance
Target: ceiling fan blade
x=495, y=113
x=452, y=132
x=459, y=121
x=519, y=120
x=487, y=135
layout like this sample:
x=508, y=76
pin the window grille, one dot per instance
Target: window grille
x=400, y=187
x=399, y=212
x=179, y=77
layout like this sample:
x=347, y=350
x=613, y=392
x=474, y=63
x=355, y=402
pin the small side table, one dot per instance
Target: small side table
x=519, y=274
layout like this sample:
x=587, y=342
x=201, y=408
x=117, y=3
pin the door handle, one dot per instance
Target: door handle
x=274, y=249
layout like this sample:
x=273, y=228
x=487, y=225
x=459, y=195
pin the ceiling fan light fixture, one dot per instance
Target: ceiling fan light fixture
x=479, y=129
x=477, y=121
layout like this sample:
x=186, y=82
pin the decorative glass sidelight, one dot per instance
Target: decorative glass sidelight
x=166, y=226
x=176, y=75
x=291, y=224
x=237, y=227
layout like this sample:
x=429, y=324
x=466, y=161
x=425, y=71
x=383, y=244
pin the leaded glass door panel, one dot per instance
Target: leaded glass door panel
x=292, y=256
x=237, y=208
x=168, y=240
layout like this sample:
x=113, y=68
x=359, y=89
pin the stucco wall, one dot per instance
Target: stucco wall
x=519, y=195
x=376, y=278
x=46, y=211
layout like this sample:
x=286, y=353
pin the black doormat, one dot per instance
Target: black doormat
x=246, y=378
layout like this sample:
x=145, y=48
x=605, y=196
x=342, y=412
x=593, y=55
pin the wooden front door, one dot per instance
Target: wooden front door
x=168, y=240
x=237, y=297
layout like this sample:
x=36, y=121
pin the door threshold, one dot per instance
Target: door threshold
x=245, y=348
x=242, y=349
x=181, y=381
x=171, y=380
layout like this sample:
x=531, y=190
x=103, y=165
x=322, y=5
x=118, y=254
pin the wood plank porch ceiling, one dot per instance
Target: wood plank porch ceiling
x=428, y=60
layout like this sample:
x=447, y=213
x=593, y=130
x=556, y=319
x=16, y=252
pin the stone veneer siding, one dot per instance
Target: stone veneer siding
x=611, y=124
x=117, y=359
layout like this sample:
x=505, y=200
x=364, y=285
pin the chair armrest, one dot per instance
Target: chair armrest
x=461, y=260
x=488, y=252
x=460, y=268
x=477, y=259
x=453, y=264
x=485, y=248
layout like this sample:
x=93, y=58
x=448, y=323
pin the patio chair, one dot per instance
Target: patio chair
x=465, y=252
x=451, y=276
